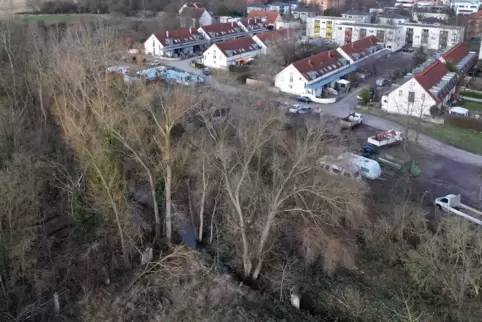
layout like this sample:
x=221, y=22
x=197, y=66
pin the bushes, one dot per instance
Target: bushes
x=464, y=122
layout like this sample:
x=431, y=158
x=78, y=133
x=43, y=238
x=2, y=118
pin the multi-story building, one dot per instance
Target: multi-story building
x=465, y=7
x=474, y=25
x=428, y=3
x=303, y=13
x=325, y=26
x=433, y=37
x=358, y=15
x=389, y=36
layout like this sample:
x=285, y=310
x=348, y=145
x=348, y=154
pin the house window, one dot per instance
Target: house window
x=411, y=97
x=400, y=93
x=291, y=77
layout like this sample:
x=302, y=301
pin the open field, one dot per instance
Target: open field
x=473, y=106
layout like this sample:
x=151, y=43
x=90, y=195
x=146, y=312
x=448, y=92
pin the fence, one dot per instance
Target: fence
x=464, y=122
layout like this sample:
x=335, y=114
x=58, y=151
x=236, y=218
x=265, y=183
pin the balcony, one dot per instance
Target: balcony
x=328, y=31
x=328, y=25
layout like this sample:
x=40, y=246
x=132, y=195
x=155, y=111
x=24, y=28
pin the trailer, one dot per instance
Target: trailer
x=453, y=204
x=407, y=166
x=351, y=121
x=385, y=139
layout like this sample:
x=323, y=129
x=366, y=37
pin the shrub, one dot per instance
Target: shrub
x=471, y=94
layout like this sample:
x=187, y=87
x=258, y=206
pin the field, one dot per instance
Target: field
x=473, y=106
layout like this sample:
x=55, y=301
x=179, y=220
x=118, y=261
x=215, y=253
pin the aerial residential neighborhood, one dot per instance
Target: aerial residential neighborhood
x=241, y=160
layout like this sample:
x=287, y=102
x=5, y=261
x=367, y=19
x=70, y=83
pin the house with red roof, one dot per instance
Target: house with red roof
x=175, y=43
x=434, y=83
x=270, y=39
x=238, y=51
x=271, y=19
x=222, y=31
x=313, y=76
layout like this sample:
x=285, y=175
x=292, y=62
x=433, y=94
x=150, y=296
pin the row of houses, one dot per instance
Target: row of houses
x=243, y=50
x=433, y=83
x=347, y=29
x=186, y=41
x=313, y=76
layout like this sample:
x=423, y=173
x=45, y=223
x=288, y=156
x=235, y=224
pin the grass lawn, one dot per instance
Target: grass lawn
x=50, y=18
x=464, y=139
x=473, y=106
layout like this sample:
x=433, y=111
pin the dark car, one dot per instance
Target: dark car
x=206, y=72
x=303, y=99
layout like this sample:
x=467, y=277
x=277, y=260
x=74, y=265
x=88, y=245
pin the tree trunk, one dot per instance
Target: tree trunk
x=262, y=243
x=201, y=211
x=157, y=218
x=168, y=203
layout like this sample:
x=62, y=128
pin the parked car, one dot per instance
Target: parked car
x=303, y=99
x=206, y=72
x=382, y=82
x=298, y=109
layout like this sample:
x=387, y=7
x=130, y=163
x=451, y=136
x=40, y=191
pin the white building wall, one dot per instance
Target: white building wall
x=480, y=51
x=397, y=101
x=152, y=46
x=359, y=18
x=324, y=27
x=394, y=37
x=465, y=7
x=290, y=80
x=213, y=57
x=392, y=21
x=454, y=36
x=205, y=19
x=416, y=16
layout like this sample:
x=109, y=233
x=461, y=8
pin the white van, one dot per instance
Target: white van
x=459, y=111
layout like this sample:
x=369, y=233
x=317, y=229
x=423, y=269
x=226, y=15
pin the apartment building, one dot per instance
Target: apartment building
x=465, y=7
x=391, y=37
x=405, y=3
x=325, y=26
x=419, y=14
x=325, y=4
x=474, y=25
x=434, y=37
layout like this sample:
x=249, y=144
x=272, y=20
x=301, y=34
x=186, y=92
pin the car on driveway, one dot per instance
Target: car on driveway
x=206, y=72
x=382, y=82
x=303, y=99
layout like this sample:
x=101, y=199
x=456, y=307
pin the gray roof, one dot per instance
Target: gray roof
x=431, y=26
x=356, y=13
x=442, y=10
x=393, y=15
x=369, y=25
x=432, y=20
x=305, y=9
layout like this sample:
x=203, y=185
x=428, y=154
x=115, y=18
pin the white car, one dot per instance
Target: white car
x=294, y=108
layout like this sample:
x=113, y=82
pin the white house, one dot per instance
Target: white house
x=269, y=18
x=268, y=40
x=434, y=37
x=195, y=17
x=281, y=7
x=303, y=13
x=222, y=31
x=252, y=26
x=465, y=7
x=392, y=19
x=313, y=75
x=325, y=26
x=175, y=43
x=360, y=16
x=231, y=52
x=257, y=7
x=390, y=36
x=419, y=14
x=431, y=84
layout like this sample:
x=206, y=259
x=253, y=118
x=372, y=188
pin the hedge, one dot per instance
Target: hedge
x=471, y=94
x=464, y=122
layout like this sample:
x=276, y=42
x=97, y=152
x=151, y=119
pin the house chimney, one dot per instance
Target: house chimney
x=167, y=33
x=329, y=53
x=309, y=62
x=232, y=23
x=190, y=30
